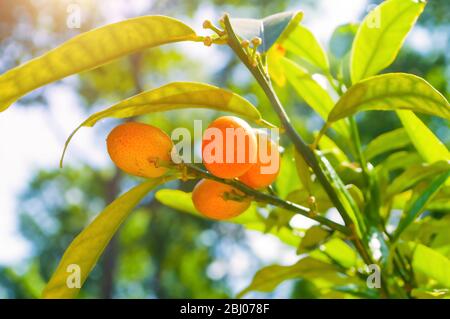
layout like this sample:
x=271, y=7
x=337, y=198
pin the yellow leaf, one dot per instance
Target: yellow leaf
x=429, y=147
x=389, y=92
x=90, y=50
x=86, y=248
x=176, y=95
x=381, y=35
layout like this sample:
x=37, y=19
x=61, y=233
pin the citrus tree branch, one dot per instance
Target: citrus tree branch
x=267, y=198
x=263, y=80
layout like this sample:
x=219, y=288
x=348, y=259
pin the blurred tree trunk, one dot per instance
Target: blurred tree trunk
x=111, y=253
x=112, y=191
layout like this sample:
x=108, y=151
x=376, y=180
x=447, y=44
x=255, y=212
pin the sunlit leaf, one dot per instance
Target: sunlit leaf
x=426, y=143
x=312, y=93
x=303, y=172
x=388, y=92
x=302, y=197
x=269, y=29
x=381, y=35
x=314, y=237
x=431, y=264
x=303, y=45
x=399, y=160
x=339, y=47
x=287, y=180
x=387, y=142
x=327, y=145
x=176, y=95
x=268, y=278
x=87, y=247
x=419, y=203
x=422, y=293
x=341, y=253
x=90, y=50
x=414, y=174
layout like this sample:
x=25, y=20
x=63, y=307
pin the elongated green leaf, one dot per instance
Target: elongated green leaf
x=422, y=293
x=303, y=172
x=399, y=160
x=327, y=145
x=414, y=174
x=341, y=253
x=268, y=278
x=302, y=197
x=342, y=39
x=431, y=264
x=176, y=95
x=342, y=192
x=420, y=202
x=381, y=35
x=387, y=142
x=90, y=50
x=430, y=148
x=314, y=237
x=182, y=201
x=392, y=91
x=269, y=29
x=340, y=46
x=303, y=45
x=313, y=94
x=86, y=248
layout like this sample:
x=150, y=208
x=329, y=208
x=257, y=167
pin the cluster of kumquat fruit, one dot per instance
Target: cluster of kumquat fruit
x=138, y=149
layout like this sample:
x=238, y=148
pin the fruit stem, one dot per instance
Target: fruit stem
x=267, y=198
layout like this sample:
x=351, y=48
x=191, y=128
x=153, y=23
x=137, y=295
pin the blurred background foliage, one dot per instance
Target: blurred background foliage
x=161, y=253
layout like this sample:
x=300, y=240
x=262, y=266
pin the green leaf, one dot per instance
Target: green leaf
x=303, y=172
x=328, y=146
x=176, y=95
x=387, y=142
x=303, y=45
x=388, y=92
x=422, y=293
x=287, y=180
x=268, y=278
x=420, y=202
x=341, y=253
x=314, y=237
x=269, y=29
x=339, y=47
x=430, y=148
x=302, y=197
x=90, y=50
x=415, y=174
x=86, y=248
x=342, y=192
x=312, y=93
x=399, y=160
x=434, y=266
x=381, y=35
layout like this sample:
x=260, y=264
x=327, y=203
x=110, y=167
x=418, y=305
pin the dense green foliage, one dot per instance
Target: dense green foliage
x=391, y=190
